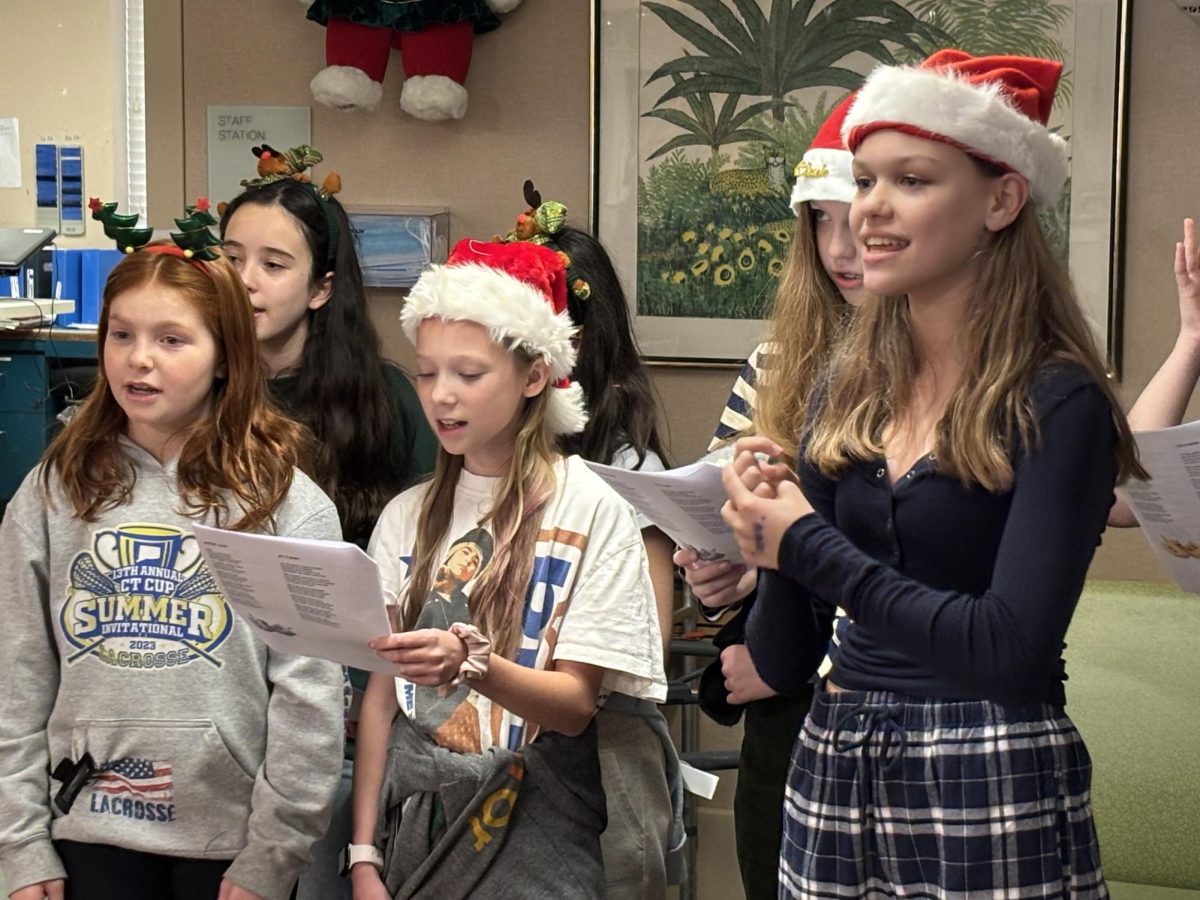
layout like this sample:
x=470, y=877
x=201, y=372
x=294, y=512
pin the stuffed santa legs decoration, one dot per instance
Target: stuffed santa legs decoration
x=434, y=38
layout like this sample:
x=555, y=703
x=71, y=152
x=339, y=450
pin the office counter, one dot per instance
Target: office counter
x=31, y=362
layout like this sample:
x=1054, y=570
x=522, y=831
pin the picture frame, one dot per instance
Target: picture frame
x=634, y=43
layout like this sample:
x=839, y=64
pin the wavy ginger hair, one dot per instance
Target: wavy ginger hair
x=1021, y=316
x=497, y=600
x=241, y=448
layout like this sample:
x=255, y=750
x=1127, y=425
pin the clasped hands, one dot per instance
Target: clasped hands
x=764, y=500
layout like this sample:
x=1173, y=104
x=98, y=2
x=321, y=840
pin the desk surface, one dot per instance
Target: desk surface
x=54, y=333
x=69, y=343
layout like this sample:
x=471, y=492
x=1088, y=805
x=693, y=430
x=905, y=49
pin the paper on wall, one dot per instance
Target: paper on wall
x=314, y=598
x=10, y=153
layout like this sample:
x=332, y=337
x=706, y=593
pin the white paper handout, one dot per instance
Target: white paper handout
x=685, y=503
x=315, y=598
x=1168, y=505
x=10, y=154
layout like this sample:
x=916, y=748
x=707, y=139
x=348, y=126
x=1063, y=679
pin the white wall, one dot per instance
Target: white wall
x=60, y=82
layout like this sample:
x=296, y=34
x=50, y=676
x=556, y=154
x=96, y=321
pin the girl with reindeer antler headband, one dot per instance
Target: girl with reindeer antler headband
x=289, y=239
x=643, y=842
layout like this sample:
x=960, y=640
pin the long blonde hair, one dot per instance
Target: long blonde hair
x=1021, y=316
x=497, y=600
x=808, y=319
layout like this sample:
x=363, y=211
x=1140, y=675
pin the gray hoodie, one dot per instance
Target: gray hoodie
x=116, y=643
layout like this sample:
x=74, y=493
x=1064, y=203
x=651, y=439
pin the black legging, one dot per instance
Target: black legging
x=769, y=731
x=103, y=872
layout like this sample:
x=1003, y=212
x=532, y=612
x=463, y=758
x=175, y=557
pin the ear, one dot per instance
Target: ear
x=537, y=378
x=322, y=292
x=1009, y=194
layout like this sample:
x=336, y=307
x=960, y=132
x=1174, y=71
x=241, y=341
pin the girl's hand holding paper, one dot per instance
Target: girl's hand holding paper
x=428, y=656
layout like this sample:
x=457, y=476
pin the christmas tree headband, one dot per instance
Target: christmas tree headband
x=540, y=224
x=294, y=164
x=193, y=241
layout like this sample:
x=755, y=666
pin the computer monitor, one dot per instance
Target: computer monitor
x=24, y=255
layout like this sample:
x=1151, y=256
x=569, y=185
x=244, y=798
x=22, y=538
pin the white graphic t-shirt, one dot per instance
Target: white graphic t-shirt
x=589, y=599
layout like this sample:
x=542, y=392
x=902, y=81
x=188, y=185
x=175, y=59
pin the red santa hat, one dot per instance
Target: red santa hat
x=823, y=173
x=518, y=291
x=995, y=108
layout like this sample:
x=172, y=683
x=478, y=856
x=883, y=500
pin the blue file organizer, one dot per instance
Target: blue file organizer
x=80, y=275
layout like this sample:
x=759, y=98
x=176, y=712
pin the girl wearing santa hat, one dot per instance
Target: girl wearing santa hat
x=819, y=287
x=522, y=596
x=953, y=486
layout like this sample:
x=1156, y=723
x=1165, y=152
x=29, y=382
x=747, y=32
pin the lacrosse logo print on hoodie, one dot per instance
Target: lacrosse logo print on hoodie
x=142, y=598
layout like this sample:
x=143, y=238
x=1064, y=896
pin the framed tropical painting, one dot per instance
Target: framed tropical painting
x=704, y=108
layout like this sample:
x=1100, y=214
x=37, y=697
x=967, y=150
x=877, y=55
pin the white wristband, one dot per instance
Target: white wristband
x=361, y=853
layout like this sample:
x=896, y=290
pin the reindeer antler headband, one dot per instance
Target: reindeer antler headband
x=540, y=224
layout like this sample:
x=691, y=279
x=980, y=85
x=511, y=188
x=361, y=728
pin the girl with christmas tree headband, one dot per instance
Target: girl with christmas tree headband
x=961, y=461
x=290, y=240
x=504, y=647
x=188, y=758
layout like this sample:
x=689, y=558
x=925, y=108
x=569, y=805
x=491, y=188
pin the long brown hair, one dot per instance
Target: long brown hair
x=240, y=447
x=621, y=402
x=342, y=392
x=808, y=319
x=1022, y=315
x=498, y=598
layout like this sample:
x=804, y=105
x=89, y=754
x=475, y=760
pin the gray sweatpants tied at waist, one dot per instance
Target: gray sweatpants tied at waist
x=516, y=824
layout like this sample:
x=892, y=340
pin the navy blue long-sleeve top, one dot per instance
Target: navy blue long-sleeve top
x=953, y=593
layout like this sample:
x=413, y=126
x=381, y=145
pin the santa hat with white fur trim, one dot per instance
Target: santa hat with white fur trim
x=518, y=292
x=824, y=171
x=993, y=107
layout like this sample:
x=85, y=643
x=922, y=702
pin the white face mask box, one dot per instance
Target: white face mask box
x=395, y=245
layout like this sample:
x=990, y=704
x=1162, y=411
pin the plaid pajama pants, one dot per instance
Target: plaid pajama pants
x=893, y=796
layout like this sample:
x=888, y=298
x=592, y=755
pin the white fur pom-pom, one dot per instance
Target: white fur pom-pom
x=566, y=412
x=433, y=98
x=345, y=87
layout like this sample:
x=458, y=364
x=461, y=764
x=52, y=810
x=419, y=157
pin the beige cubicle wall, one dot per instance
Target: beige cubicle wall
x=59, y=79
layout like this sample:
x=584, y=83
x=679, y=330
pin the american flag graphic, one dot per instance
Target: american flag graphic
x=141, y=778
